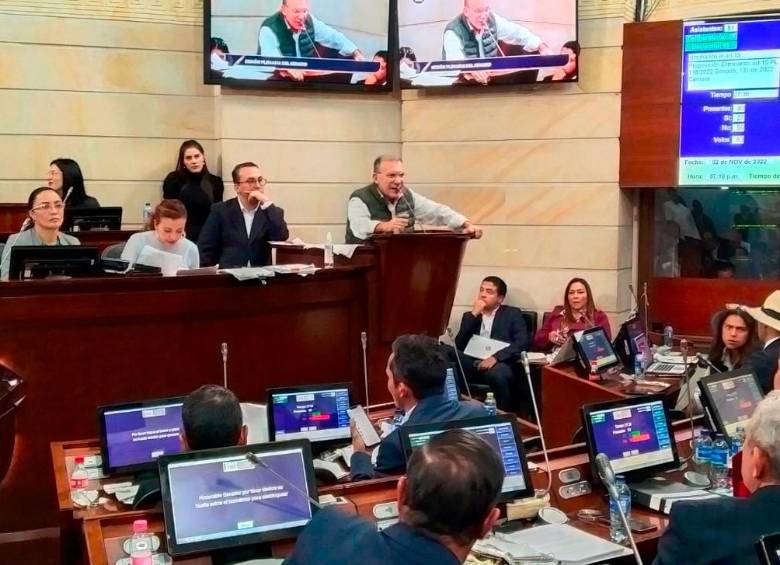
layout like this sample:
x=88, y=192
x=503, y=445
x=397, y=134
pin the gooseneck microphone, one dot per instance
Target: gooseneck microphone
x=607, y=476
x=460, y=363
x=224, y=351
x=67, y=194
x=527, y=370
x=364, y=344
x=684, y=349
x=253, y=458
x=704, y=362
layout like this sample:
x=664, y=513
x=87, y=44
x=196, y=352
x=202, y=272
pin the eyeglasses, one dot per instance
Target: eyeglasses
x=259, y=181
x=47, y=206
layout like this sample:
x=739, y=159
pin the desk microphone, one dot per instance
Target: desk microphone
x=256, y=460
x=364, y=344
x=704, y=362
x=67, y=194
x=684, y=349
x=527, y=369
x=607, y=476
x=460, y=364
x=411, y=210
x=224, y=350
x=635, y=309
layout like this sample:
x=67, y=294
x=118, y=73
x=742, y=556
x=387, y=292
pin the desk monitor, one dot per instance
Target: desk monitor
x=594, y=345
x=133, y=435
x=88, y=219
x=768, y=549
x=218, y=499
x=314, y=412
x=42, y=261
x=730, y=399
x=631, y=340
x=501, y=432
x=635, y=434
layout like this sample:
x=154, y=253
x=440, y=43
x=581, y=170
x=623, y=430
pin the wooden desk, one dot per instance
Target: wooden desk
x=12, y=216
x=564, y=392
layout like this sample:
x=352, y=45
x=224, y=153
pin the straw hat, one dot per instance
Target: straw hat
x=769, y=313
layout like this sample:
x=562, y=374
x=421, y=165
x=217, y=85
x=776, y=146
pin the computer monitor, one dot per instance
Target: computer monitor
x=43, y=261
x=133, y=435
x=768, y=549
x=594, y=345
x=314, y=412
x=631, y=340
x=88, y=219
x=219, y=498
x=503, y=435
x=730, y=399
x=635, y=434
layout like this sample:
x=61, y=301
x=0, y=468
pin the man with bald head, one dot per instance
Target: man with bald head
x=387, y=205
x=294, y=32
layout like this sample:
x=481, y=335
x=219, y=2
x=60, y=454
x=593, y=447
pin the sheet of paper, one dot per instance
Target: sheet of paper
x=293, y=269
x=248, y=273
x=169, y=263
x=483, y=347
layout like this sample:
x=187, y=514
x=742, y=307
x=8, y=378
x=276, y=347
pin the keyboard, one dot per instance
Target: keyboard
x=666, y=369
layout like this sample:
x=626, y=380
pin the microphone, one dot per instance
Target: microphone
x=364, y=344
x=498, y=45
x=256, y=460
x=411, y=208
x=527, y=369
x=460, y=364
x=67, y=194
x=704, y=362
x=224, y=350
x=313, y=44
x=684, y=349
x=607, y=476
x=635, y=309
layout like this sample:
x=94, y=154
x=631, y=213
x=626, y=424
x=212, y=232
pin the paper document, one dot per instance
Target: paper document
x=248, y=273
x=537, y=357
x=168, y=263
x=293, y=269
x=483, y=347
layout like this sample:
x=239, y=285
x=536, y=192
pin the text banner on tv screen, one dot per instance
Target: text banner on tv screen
x=446, y=43
x=319, y=43
x=730, y=103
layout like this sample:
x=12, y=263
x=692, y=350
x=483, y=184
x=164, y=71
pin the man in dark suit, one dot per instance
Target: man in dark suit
x=237, y=232
x=724, y=530
x=489, y=317
x=764, y=361
x=212, y=418
x=446, y=502
x=416, y=370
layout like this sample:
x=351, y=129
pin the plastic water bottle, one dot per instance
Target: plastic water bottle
x=450, y=386
x=737, y=441
x=705, y=452
x=617, y=532
x=668, y=335
x=146, y=214
x=140, y=544
x=719, y=463
x=328, y=260
x=78, y=483
x=639, y=366
x=490, y=404
x=698, y=439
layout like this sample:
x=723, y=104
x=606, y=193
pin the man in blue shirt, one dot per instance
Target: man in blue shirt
x=416, y=371
x=446, y=501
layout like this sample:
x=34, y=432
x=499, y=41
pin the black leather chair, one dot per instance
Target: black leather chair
x=531, y=319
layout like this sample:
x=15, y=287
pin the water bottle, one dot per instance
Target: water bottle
x=490, y=404
x=737, y=441
x=617, y=532
x=639, y=366
x=705, y=452
x=140, y=544
x=719, y=463
x=146, y=214
x=668, y=335
x=328, y=261
x=450, y=386
x=696, y=446
x=78, y=483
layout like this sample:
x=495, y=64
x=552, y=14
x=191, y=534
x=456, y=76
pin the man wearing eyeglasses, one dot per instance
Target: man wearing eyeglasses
x=237, y=232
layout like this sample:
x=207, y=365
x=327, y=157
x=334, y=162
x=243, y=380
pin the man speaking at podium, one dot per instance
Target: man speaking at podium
x=388, y=206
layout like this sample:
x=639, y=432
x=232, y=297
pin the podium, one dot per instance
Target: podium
x=412, y=279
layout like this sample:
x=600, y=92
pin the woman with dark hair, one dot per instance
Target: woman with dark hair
x=42, y=226
x=192, y=183
x=733, y=340
x=568, y=71
x=166, y=233
x=65, y=177
x=578, y=312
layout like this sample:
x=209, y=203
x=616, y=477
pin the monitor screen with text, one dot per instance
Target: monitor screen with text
x=596, y=347
x=316, y=414
x=734, y=398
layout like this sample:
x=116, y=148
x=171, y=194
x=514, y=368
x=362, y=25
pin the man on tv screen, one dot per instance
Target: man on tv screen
x=294, y=32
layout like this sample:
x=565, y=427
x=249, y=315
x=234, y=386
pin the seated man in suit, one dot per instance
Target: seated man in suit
x=416, y=370
x=211, y=418
x=446, y=502
x=388, y=206
x=724, y=530
x=764, y=361
x=489, y=317
x=237, y=232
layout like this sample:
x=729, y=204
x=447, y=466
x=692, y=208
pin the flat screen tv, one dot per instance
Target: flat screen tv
x=730, y=102
x=301, y=44
x=445, y=43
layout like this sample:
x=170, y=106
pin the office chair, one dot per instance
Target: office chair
x=113, y=251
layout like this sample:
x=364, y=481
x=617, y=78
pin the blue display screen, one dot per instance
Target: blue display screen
x=730, y=103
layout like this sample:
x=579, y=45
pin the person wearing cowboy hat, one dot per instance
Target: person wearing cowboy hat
x=764, y=361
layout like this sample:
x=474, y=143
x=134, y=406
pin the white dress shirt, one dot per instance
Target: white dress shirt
x=506, y=31
x=426, y=211
x=249, y=214
x=487, y=322
x=323, y=34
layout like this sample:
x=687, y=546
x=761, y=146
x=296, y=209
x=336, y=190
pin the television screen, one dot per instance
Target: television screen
x=487, y=42
x=297, y=43
x=730, y=105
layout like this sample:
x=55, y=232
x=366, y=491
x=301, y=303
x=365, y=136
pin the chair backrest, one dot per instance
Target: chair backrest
x=256, y=420
x=2, y=247
x=531, y=319
x=113, y=251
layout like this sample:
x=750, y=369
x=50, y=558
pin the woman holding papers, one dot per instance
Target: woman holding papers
x=166, y=235
x=578, y=312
